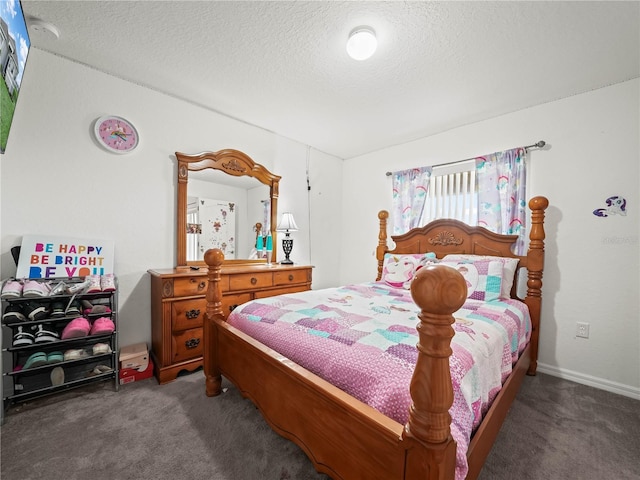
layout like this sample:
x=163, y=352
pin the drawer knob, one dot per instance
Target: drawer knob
x=254, y=280
x=192, y=343
x=290, y=278
x=201, y=285
x=193, y=313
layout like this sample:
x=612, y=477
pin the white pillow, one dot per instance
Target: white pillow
x=509, y=266
x=483, y=277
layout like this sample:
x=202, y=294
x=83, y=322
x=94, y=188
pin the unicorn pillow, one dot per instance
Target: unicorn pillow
x=399, y=269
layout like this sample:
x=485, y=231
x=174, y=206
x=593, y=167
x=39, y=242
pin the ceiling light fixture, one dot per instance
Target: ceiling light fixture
x=362, y=43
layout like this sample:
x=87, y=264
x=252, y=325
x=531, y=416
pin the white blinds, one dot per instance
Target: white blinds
x=452, y=195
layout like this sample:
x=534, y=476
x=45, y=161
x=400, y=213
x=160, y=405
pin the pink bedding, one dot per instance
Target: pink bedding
x=361, y=338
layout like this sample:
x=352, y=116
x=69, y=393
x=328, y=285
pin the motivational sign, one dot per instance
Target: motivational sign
x=50, y=257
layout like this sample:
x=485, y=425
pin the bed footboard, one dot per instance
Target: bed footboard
x=345, y=438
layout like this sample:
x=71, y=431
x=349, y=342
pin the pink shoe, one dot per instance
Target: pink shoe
x=97, y=309
x=35, y=289
x=94, y=284
x=108, y=282
x=78, y=327
x=12, y=289
x=102, y=326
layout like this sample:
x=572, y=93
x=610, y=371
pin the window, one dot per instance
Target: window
x=452, y=193
x=489, y=191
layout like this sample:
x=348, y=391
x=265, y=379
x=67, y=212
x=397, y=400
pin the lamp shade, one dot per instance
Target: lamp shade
x=287, y=223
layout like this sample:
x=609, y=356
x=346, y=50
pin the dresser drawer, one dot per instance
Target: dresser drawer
x=187, y=344
x=230, y=302
x=250, y=281
x=294, y=276
x=281, y=291
x=189, y=286
x=187, y=314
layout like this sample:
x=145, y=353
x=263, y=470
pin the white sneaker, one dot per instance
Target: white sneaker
x=101, y=348
x=75, y=288
x=75, y=354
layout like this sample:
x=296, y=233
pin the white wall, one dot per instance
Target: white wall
x=592, y=264
x=56, y=180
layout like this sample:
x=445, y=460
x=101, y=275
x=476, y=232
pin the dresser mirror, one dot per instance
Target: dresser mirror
x=221, y=197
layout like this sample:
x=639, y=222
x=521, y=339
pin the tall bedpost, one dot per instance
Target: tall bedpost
x=213, y=258
x=382, y=241
x=535, y=266
x=438, y=291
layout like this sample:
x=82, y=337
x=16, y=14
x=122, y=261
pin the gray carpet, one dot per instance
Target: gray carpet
x=555, y=430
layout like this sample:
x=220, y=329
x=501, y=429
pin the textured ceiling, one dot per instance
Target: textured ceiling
x=283, y=65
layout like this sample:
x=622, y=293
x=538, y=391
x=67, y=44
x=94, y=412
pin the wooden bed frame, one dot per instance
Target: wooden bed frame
x=346, y=438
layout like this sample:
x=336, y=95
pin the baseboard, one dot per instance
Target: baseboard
x=601, y=383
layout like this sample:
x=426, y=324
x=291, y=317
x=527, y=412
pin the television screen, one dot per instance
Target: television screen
x=14, y=47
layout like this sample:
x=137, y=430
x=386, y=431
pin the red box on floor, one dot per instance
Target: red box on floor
x=129, y=375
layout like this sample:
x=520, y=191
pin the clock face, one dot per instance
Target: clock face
x=116, y=134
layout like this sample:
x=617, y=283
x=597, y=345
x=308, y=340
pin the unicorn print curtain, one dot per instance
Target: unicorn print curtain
x=409, y=194
x=502, y=200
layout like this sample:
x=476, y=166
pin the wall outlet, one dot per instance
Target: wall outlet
x=582, y=330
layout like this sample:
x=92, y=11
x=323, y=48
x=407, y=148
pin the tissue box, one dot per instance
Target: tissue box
x=129, y=375
x=135, y=357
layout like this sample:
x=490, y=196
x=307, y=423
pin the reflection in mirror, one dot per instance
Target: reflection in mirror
x=222, y=197
x=222, y=212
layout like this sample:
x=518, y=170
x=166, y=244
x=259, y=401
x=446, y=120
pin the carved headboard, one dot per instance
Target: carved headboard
x=447, y=236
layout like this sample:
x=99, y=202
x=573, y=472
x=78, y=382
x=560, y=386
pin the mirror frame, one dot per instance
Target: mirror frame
x=231, y=162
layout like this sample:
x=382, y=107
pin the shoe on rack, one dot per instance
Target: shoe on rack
x=79, y=287
x=12, y=288
x=20, y=339
x=101, y=348
x=35, y=360
x=75, y=354
x=35, y=289
x=102, y=326
x=35, y=310
x=57, y=376
x=55, y=357
x=59, y=288
x=99, y=370
x=108, y=282
x=45, y=336
x=13, y=313
x=86, y=305
x=97, y=309
x=78, y=327
x=94, y=284
x=57, y=309
x=73, y=308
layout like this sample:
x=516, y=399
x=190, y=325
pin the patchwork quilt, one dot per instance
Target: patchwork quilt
x=362, y=338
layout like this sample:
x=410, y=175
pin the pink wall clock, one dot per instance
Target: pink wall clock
x=116, y=134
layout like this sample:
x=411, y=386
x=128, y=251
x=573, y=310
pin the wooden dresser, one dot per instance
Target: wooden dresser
x=178, y=305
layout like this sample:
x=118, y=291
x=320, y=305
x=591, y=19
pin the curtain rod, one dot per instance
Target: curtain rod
x=539, y=144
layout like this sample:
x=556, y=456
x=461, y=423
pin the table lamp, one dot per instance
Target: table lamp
x=287, y=224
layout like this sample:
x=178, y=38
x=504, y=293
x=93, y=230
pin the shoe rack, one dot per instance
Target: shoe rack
x=58, y=335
